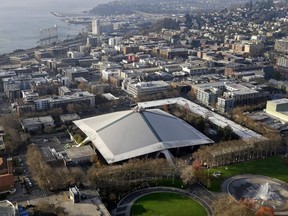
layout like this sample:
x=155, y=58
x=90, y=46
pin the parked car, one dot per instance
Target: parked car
x=217, y=174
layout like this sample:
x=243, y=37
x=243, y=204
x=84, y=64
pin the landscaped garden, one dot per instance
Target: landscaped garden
x=275, y=167
x=168, y=204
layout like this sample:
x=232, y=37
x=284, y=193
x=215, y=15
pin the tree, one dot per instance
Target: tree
x=188, y=175
x=48, y=177
x=49, y=129
x=227, y=206
x=265, y=211
x=46, y=208
x=10, y=122
x=84, y=86
x=226, y=133
x=12, y=139
x=197, y=166
x=73, y=108
x=94, y=159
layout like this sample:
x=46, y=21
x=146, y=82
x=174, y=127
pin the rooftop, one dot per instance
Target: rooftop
x=7, y=208
x=79, y=152
x=37, y=120
x=127, y=134
x=279, y=101
x=6, y=182
x=242, y=132
x=151, y=84
x=69, y=117
x=47, y=154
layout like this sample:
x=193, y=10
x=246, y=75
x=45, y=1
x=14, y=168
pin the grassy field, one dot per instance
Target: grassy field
x=176, y=182
x=274, y=167
x=167, y=204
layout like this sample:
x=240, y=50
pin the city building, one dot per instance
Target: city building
x=79, y=155
x=226, y=95
x=114, y=41
x=140, y=89
x=83, y=98
x=69, y=118
x=170, y=53
x=6, y=74
x=41, y=104
x=282, y=61
x=74, y=72
x=40, y=54
x=100, y=27
x=130, y=49
x=75, y=194
x=281, y=45
x=37, y=123
x=6, y=178
x=2, y=144
x=278, y=109
x=63, y=90
x=86, y=99
x=120, y=136
x=96, y=27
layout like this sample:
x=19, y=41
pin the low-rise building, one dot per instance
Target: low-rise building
x=282, y=61
x=69, y=118
x=170, y=53
x=281, y=45
x=2, y=144
x=63, y=90
x=7, y=178
x=37, y=123
x=278, y=108
x=226, y=95
x=72, y=73
x=84, y=98
x=79, y=155
x=139, y=89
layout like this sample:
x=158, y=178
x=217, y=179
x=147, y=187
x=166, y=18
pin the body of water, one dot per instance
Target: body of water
x=21, y=20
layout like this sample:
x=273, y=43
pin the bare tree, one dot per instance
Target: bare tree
x=188, y=175
x=51, y=178
x=227, y=206
x=46, y=208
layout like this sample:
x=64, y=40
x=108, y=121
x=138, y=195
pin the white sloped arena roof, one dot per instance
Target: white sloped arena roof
x=123, y=135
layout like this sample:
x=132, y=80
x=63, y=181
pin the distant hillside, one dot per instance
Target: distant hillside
x=162, y=6
x=166, y=23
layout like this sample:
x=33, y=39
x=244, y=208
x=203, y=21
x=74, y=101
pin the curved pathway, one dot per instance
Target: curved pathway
x=196, y=192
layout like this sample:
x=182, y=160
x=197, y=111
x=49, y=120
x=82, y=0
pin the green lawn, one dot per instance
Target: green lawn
x=176, y=182
x=273, y=166
x=167, y=204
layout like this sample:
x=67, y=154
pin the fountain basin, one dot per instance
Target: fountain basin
x=265, y=191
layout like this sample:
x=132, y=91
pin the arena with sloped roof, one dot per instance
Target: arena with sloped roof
x=128, y=134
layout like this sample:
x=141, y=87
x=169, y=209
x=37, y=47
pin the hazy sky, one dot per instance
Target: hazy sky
x=54, y=4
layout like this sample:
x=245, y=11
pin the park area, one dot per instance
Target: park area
x=275, y=167
x=168, y=204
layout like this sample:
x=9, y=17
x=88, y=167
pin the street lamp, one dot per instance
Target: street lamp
x=208, y=179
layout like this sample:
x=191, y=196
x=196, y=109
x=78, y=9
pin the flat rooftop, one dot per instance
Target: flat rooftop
x=69, y=117
x=83, y=151
x=279, y=101
x=37, y=120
